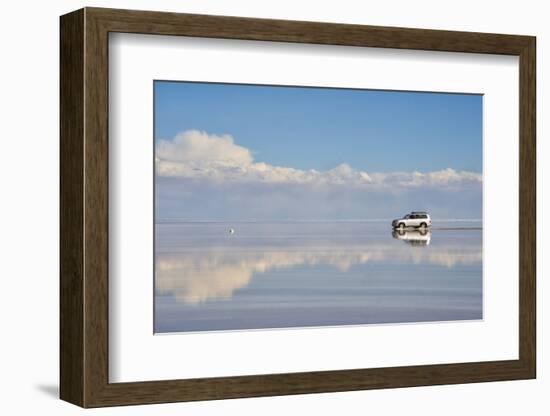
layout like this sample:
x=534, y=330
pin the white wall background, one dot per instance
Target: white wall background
x=29, y=84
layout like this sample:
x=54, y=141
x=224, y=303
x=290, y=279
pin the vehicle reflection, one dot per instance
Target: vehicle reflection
x=420, y=237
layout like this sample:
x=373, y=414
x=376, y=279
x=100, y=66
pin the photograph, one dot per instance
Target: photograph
x=318, y=212
x=302, y=206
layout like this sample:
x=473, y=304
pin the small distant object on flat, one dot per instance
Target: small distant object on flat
x=231, y=231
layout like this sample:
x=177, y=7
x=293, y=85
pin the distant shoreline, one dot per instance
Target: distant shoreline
x=456, y=228
x=181, y=221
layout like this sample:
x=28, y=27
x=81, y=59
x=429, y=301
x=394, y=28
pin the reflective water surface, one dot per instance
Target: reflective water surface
x=277, y=275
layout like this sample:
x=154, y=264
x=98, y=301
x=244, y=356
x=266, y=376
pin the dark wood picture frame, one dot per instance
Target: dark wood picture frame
x=84, y=207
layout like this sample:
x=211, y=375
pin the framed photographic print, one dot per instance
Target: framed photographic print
x=255, y=207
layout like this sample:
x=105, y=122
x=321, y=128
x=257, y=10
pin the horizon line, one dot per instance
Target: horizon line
x=183, y=220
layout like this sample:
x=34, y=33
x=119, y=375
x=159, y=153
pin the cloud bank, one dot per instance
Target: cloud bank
x=201, y=176
x=198, y=155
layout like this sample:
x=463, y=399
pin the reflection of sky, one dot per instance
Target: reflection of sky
x=289, y=275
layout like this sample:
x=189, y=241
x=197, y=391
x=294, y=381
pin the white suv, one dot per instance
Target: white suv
x=414, y=219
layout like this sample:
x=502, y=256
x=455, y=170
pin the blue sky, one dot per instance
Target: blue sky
x=319, y=128
x=242, y=152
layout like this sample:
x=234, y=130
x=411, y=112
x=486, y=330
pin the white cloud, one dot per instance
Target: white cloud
x=198, y=155
x=195, y=150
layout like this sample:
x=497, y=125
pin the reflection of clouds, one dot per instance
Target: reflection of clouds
x=193, y=277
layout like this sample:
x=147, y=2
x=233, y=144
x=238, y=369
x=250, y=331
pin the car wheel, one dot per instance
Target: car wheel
x=423, y=225
x=401, y=226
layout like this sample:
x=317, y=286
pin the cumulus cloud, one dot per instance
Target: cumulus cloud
x=195, y=154
x=193, y=146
